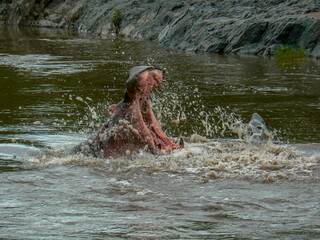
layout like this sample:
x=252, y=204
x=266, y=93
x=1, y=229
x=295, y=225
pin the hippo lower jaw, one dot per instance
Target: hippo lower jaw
x=132, y=125
x=149, y=124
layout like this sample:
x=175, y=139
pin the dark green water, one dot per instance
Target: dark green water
x=55, y=88
x=40, y=70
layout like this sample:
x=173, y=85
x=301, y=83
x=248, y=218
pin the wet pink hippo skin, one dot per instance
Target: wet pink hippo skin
x=132, y=125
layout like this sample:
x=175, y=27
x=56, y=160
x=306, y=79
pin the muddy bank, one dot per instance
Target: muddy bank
x=220, y=26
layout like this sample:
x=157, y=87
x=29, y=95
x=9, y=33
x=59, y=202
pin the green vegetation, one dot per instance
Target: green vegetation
x=116, y=20
x=289, y=52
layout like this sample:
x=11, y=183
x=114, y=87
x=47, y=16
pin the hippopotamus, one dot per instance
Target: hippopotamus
x=132, y=126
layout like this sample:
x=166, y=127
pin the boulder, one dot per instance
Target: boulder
x=219, y=26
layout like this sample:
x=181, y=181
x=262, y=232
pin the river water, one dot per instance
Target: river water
x=238, y=178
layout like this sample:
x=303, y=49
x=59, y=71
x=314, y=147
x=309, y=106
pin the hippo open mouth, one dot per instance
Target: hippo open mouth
x=132, y=125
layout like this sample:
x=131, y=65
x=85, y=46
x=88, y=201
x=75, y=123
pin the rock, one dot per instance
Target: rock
x=220, y=26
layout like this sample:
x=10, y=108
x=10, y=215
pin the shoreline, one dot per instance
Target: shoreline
x=243, y=28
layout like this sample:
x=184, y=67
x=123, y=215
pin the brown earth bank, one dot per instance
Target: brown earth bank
x=216, y=26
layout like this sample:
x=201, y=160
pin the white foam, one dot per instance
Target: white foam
x=210, y=160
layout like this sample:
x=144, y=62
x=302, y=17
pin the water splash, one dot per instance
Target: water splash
x=255, y=132
x=252, y=156
x=206, y=160
x=219, y=144
x=86, y=122
x=184, y=113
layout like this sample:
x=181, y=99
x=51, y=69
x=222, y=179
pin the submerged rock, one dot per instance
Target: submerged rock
x=220, y=26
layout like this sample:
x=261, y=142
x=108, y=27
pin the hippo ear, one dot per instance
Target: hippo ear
x=181, y=143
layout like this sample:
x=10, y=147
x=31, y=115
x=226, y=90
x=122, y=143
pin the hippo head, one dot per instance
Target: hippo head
x=142, y=80
x=132, y=125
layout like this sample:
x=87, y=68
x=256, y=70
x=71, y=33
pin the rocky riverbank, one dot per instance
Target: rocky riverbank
x=217, y=26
